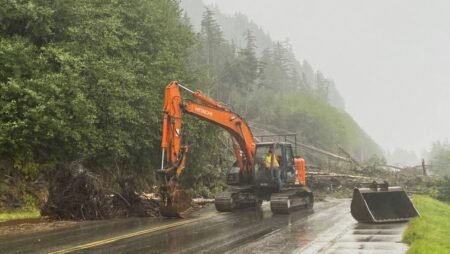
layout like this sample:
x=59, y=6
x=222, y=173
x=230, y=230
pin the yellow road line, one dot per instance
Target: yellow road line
x=125, y=236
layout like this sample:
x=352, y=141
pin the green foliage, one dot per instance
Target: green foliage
x=19, y=214
x=83, y=80
x=315, y=121
x=440, y=189
x=208, y=160
x=429, y=233
x=30, y=201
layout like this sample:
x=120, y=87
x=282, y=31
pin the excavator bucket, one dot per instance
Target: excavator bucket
x=178, y=205
x=175, y=202
x=381, y=204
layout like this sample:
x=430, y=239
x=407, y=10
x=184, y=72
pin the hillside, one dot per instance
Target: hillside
x=299, y=98
x=236, y=25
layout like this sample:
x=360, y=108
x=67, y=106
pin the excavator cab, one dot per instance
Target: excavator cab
x=279, y=182
x=264, y=176
x=276, y=171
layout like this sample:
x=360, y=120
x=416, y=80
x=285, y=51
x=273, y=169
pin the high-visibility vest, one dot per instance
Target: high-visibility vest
x=269, y=161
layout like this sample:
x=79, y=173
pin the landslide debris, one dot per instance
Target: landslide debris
x=75, y=193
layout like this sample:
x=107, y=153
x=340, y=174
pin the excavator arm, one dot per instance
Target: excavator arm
x=174, y=152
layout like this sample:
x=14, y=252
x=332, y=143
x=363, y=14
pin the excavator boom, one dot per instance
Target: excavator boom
x=173, y=199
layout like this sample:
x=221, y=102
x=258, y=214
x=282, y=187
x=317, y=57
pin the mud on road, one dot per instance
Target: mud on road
x=26, y=226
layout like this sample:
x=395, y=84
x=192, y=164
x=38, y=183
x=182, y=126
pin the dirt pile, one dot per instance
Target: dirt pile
x=77, y=194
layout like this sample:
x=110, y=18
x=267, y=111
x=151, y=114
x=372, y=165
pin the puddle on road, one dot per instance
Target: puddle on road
x=327, y=219
x=370, y=238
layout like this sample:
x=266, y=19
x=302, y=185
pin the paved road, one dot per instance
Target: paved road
x=327, y=228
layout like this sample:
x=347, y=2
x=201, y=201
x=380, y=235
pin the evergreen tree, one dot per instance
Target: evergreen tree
x=249, y=61
x=213, y=38
x=216, y=52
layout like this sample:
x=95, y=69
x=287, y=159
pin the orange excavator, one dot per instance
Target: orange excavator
x=262, y=171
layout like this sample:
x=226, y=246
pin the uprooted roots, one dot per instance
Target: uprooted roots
x=77, y=194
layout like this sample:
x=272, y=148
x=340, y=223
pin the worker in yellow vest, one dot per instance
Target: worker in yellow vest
x=271, y=162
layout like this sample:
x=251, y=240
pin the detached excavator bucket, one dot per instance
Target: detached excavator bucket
x=380, y=204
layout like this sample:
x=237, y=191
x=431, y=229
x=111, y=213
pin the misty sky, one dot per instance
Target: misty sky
x=390, y=59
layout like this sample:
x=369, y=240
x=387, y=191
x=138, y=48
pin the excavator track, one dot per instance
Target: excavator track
x=224, y=201
x=291, y=199
x=234, y=198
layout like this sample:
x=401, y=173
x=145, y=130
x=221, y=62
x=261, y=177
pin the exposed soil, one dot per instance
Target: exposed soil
x=17, y=227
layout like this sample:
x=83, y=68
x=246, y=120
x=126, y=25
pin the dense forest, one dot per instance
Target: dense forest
x=233, y=28
x=83, y=81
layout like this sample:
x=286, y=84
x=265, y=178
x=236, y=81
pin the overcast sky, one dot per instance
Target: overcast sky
x=390, y=59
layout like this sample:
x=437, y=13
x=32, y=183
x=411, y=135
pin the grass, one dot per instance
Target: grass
x=429, y=233
x=19, y=214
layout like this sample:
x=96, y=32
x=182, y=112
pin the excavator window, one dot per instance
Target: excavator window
x=260, y=156
x=289, y=170
x=289, y=157
x=278, y=156
x=261, y=151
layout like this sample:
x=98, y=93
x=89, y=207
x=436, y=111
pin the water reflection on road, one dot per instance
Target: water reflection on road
x=327, y=228
x=251, y=230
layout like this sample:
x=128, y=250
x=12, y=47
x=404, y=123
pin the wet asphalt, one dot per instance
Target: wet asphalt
x=326, y=228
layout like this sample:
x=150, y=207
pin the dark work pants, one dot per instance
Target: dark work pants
x=276, y=174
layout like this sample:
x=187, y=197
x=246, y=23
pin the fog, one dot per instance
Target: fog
x=390, y=59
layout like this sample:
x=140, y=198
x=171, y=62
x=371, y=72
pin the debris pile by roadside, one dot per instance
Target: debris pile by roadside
x=77, y=194
x=332, y=181
x=131, y=203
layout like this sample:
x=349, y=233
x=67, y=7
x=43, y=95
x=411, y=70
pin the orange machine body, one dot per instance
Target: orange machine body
x=301, y=170
x=175, y=202
x=172, y=124
x=211, y=111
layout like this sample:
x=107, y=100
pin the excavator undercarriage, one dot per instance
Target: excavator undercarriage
x=282, y=202
x=234, y=198
x=291, y=199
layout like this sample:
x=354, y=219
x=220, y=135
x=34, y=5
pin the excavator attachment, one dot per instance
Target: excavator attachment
x=175, y=202
x=381, y=204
